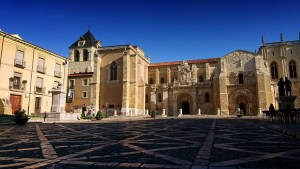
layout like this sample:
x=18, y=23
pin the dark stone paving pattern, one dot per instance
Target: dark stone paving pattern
x=172, y=143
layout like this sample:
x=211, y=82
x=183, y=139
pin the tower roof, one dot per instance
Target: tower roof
x=89, y=39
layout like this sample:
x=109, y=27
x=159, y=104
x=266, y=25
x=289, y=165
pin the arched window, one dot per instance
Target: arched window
x=113, y=71
x=159, y=97
x=207, y=97
x=151, y=81
x=241, y=78
x=293, y=69
x=162, y=80
x=76, y=56
x=146, y=98
x=201, y=79
x=85, y=55
x=274, y=70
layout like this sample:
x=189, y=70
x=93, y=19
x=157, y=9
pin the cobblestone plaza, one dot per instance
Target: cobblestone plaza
x=208, y=143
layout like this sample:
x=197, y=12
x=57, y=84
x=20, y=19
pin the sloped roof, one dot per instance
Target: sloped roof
x=210, y=60
x=89, y=40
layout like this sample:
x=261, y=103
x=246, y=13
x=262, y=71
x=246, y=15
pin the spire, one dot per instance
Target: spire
x=89, y=28
x=281, y=38
x=299, y=35
x=263, y=40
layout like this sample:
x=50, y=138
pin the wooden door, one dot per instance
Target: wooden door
x=15, y=101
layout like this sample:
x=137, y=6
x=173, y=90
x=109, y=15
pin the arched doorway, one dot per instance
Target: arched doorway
x=185, y=102
x=185, y=107
x=242, y=106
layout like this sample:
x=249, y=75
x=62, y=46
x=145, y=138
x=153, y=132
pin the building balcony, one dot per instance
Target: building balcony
x=57, y=73
x=39, y=90
x=20, y=63
x=19, y=88
x=41, y=69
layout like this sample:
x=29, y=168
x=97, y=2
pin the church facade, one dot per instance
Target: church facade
x=121, y=80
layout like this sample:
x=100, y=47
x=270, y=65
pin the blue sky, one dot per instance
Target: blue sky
x=167, y=30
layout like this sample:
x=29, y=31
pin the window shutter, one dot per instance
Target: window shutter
x=57, y=67
x=20, y=55
x=39, y=82
x=41, y=62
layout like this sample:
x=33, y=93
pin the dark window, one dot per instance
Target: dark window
x=241, y=79
x=85, y=55
x=200, y=78
x=273, y=53
x=159, y=97
x=146, y=98
x=293, y=69
x=291, y=51
x=162, y=80
x=274, y=70
x=150, y=81
x=207, y=97
x=76, y=56
x=113, y=71
x=111, y=106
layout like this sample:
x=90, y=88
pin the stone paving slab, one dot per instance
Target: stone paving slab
x=204, y=143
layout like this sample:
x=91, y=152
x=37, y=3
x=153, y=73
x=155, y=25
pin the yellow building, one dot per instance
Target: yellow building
x=28, y=74
x=106, y=78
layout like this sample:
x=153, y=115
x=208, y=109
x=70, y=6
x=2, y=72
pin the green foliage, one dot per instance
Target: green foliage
x=99, y=115
x=21, y=117
x=153, y=113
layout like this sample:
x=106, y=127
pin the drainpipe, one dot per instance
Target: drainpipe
x=2, y=50
x=30, y=79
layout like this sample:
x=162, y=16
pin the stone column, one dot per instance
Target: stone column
x=153, y=98
x=126, y=84
x=180, y=113
x=165, y=98
x=199, y=111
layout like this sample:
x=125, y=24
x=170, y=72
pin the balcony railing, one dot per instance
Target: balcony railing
x=39, y=90
x=16, y=87
x=20, y=63
x=41, y=69
x=57, y=73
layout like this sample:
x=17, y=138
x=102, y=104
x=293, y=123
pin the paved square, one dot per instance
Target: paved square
x=160, y=143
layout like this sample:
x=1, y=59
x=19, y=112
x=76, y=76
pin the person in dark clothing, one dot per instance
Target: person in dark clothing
x=281, y=85
x=272, y=111
x=83, y=109
x=288, y=86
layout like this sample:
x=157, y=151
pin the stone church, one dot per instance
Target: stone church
x=120, y=80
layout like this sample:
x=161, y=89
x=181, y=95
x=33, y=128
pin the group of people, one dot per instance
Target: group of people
x=284, y=87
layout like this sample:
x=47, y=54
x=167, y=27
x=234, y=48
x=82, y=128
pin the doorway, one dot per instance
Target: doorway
x=185, y=107
x=37, y=106
x=242, y=106
x=15, y=101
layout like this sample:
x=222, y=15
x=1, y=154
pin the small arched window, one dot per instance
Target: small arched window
x=159, y=97
x=85, y=55
x=293, y=69
x=76, y=56
x=113, y=71
x=162, y=80
x=241, y=78
x=201, y=79
x=274, y=70
x=150, y=81
x=206, y=97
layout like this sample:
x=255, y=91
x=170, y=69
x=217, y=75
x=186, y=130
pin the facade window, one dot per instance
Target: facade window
x=201, y=79
x=17, y=80
x=85, y=55
x=146, y=98
x=162, y=80
x=57, y=70
x=85, y=82
x=55, y=84
x=113, y=71
x=85, y=94
x=71, y=84
x=159, y=97
x=80, y=43
x=76, y=56
x=70, y=96
x=39, y=85
x=19, y=61
x=293, y=69
x=41, y=65
x=274, y=70
x=291, y=51
x=151, y=81
x=273, y=53
x=241, y=79
x=207, y=97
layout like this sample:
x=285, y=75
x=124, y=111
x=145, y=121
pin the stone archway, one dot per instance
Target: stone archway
x=242, y=103
x=185, y=102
